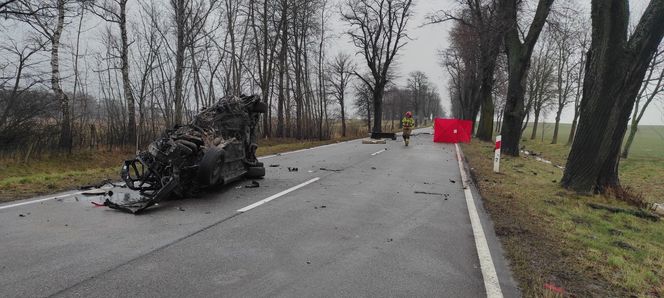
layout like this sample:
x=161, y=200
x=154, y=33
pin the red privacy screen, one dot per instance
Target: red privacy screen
x=452, y=130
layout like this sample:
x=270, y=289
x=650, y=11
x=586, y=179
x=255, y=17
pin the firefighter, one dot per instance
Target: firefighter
x=407, y=123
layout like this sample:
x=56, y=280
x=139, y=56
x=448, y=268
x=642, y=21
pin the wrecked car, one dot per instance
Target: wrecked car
x=218, y=146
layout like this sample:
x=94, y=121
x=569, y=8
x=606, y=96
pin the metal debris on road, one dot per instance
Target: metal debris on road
x=330, y=170
x=428, y=193
x=96, y=192
x=292, y=169
x=253, y=184
x=101, y=184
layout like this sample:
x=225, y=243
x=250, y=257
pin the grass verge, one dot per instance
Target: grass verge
x=55, y=173
x=553, y=237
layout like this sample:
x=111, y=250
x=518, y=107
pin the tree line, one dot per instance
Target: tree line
x=511, y=60
x=153, y=64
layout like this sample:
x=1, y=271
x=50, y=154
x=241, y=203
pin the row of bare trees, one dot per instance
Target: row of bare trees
x=548, y=58
x=418, y=96
x=117, y=72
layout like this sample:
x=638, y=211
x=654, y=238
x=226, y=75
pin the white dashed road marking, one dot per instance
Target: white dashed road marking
x=263, y=201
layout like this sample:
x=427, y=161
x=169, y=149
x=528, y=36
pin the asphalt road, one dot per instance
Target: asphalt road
x=370, y=223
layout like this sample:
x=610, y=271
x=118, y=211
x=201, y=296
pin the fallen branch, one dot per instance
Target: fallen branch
x=637, y=213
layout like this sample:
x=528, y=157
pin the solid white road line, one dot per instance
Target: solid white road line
x=263, y=201
x=39, y=200
x=378, y=152
x=491, y=283
x=76, y=193
x=305, y=149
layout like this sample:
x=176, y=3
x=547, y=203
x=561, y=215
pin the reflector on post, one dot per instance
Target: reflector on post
x=496, y=155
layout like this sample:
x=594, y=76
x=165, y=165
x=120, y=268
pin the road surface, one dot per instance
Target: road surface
x=355, y=220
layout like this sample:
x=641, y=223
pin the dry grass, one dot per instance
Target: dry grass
x=55, y=173
x=552, y=236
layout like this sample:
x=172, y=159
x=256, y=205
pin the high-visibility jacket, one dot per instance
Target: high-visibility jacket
x=408, y=122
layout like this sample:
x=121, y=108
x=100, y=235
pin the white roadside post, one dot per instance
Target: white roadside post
x=496, y=156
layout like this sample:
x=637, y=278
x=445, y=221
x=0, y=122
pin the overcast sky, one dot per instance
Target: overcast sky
x=421, y=52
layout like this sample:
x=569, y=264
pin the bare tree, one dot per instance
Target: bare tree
x=461, y=61
x=115, y=11
x=48, y=19
x=378, y=30
x=283, y=56
x=190, y=18
x=419, y=87
x=518, y=57
x=582, y=43
x=363, y=101
x=342, y=69
x=609, y=95
x=652, y=87
x=541, y=81
x=564, y=36
x=483, y=18
x=265, y=44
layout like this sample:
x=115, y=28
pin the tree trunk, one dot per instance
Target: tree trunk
x=614, y=73
x=126, y=82
x=533, y=134
x=632, y=133
x=518, y=56
x=282, y=71
x=378, y=107
x=639, y=111
x=368, y=116
x=180, y=20
x=514, y=109
x=65, y=127
x=572, y=131
x=343, y=117
x=485, y=126
x=555, y=128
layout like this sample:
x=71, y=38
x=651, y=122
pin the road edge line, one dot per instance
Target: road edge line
x=65, y=195
x=272, y=197
x=304, y=149
x=491, y=282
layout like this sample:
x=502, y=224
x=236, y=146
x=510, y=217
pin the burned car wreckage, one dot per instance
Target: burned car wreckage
x=216, y=147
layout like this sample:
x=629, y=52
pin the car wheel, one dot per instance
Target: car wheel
x=255, y=172
x=210, y=167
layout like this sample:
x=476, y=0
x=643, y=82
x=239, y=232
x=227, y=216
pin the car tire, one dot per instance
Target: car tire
x=255, y=172
x=259, y=107
x=210, y=167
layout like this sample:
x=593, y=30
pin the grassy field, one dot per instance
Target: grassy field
x=643, y=170
x=55, y=173
x=649, y=141
x=552, y=236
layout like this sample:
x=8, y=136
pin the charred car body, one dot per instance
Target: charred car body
x=216, y=147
